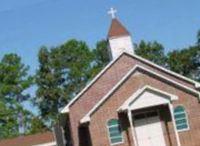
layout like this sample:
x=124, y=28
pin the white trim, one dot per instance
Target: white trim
x=171, y=81
x=173, y=122
x=86, y=118
x=130, y=118
x=126, y=104
x=47, y=144
x=115, y=37
x=196, y=84
x=171, y=109
x=145, y=116
x=133, y=128
x=66, y=108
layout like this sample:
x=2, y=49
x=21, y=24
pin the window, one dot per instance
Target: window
x=180, y=118
x=115, y=133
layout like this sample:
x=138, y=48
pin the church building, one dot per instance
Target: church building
x=133, y=102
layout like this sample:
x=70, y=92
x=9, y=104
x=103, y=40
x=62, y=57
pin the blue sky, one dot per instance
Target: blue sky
x=25, y=25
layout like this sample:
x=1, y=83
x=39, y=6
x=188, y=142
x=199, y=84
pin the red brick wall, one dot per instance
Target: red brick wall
x=102, y=86
x=108, y=110
x=96, y=92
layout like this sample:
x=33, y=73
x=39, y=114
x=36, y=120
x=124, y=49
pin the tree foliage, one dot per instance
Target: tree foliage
x=8, y=122
x=63, y=72
x=198, y=38
x=36, y=125
x=186, y=62
x=101, y=57
x=14, y=80
x=152, y=51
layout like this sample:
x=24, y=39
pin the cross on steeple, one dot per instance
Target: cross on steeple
x=119, y=38
x=112, y=12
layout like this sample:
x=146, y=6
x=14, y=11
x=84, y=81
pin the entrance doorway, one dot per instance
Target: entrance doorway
x=148, y=129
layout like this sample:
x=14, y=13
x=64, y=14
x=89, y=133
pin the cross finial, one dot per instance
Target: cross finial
x=112, y=12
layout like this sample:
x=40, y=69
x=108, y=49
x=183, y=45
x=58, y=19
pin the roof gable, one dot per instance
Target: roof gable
x=66, y=108
x=196, y=84
x=139, y=98
x=86, y=118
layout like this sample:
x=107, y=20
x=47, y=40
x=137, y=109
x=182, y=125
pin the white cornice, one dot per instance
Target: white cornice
x=125, y=105
x=86, y=118
x=66, y=108
x=164, y=69
x=196, y=84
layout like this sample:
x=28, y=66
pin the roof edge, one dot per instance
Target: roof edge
x=115, y=37
x=87, y=116
x=165, y=70
x=124, y=106
x=195, y=83
x=66, y=108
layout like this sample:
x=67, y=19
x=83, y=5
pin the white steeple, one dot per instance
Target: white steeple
x=118, y=37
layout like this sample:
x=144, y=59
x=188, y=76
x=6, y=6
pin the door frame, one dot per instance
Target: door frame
x=135, y=142
x=146, y=117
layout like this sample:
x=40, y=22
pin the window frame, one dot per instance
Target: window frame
x=186, y=118
x=108, y=132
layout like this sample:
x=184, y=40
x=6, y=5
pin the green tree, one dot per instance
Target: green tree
x=37, y=125
x=14, y=80
x=152, y=51
x=8, y=122
x=101, y=56
x=46, y=83
x=198, y=38
x=185, y=61
x=63, y=72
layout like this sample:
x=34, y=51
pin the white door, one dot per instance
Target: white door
x=148, y=129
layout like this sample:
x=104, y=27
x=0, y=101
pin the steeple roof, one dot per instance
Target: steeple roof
x=117, y=29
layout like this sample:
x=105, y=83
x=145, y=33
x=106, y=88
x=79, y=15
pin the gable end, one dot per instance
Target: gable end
x=196, y=84
x=86, y=118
